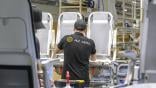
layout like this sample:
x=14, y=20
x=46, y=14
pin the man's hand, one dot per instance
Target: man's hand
x=57, y=50
x=93, y=57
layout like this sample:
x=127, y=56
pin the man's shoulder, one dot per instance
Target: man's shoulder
x=91, y=40
x=66, y=36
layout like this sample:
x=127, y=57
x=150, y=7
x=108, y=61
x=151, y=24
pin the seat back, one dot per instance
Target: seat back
x=66, y=22
x=45, y=35
x=17, y=46
x=100, y=29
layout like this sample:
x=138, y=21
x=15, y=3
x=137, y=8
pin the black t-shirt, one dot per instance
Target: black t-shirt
x=77, y=51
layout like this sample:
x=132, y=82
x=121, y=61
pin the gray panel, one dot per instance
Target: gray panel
x=100, y=35
x=42, y=36
x=101, y=31
x=151, y=78
x=17, y=34
x=15, y=59
x=14, y=78
x=150, y=55
x=148, y=46
x=13, y=9
x=12, y=33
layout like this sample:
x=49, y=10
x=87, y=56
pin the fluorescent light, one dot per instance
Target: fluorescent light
x=134, y=2
x=100, y=21
x=69, y=21
x=44, y=21
x=125, y=10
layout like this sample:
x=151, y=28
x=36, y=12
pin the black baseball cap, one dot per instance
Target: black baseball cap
x=80, y=25
x=37, y=18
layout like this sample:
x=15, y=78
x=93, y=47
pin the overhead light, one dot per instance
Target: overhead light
x=134, y=2
x=69, y=21
x=100, y=21
x=125, y=10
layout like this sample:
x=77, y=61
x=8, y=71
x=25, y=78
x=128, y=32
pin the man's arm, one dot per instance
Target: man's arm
x=58, y=47
x=93, y=52
x=93, y=57
x=56, y=51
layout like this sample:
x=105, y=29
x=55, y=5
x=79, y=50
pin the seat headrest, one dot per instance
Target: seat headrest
x=101, y=18
x=69, y=17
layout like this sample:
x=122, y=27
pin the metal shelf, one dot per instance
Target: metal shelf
x=72, y=4
x=127, y=11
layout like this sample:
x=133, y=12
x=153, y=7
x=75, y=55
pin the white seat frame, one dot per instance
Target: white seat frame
x=112, y=33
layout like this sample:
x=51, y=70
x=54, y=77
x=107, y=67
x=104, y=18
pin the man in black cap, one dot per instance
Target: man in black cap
x=77, y=51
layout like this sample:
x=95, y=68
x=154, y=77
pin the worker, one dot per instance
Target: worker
x=78, y=49
x=132, y=50
x=37, y=20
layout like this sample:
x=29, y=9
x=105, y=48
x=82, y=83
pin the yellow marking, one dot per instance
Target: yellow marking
x=69, y=39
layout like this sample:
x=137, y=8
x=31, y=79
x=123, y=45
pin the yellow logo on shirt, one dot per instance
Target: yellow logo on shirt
x=69, y=39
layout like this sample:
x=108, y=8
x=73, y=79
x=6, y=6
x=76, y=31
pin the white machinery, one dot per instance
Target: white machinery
x=17, y=45
x=100, y=29
x=18, y=63
x=148, y=42
x=44, y=35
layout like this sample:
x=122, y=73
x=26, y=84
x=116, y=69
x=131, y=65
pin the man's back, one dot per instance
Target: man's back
x=77, y=50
